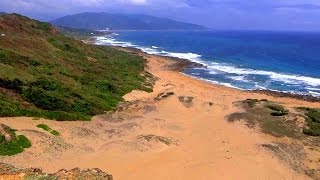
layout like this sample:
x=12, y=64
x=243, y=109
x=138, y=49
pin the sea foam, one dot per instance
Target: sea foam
x=230, y=71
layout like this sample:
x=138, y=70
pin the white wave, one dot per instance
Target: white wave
x=108, y=40
x=215, y=67
x=239, y=78
x=212, y=72
x=314, y=93
x=286, y=78
x=260, y=87
x=149, y=50
x=186, y=55
x=214, y=82
x=313, y=89
x=112, y=42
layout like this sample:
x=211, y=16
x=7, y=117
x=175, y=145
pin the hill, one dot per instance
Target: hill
x=46, y=74
x=100, y=21
x=80, y=33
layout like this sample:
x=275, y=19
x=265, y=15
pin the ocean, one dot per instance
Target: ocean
x=249, y=60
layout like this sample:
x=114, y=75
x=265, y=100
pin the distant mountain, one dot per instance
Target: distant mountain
x=98, y=21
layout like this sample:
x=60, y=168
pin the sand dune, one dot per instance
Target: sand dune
x=177, y=132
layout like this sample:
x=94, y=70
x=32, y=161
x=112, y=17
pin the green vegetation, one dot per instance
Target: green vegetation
x=262, y=114
x=251, y=102
x=45, y=74
x=278, y=110
x=14, y=145
x=313, y=121
x=47, y=128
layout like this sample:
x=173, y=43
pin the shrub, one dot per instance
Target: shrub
x=65, y=116
x=43, y=100
x=43, y=26
x=312, y=121
x=279, y=113
x=10, y=58
x=46, y=84
x=276, y=107
x=15, y=84
x=15, y=145
x=251, y=102
x=63, y=44
x=279, y=110
x=54, y=132
x=44, y=127
x=47, y=128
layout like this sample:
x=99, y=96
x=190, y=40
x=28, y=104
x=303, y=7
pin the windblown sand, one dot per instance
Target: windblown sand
x=182, y=136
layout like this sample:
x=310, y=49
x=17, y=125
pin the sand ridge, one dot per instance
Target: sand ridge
x=182, y=134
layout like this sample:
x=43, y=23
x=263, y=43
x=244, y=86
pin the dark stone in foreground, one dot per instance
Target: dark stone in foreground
x=10, y=172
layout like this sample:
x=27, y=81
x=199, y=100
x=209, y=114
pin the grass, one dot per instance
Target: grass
x=14, y=146
x=277, y=109
x=47, y=75
x=47, y=128
x=261, y=113
x=251, y=102
x=312, y=121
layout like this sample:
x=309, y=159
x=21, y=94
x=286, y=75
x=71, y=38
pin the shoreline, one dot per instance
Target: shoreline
x=181, y=125
x=183, y=64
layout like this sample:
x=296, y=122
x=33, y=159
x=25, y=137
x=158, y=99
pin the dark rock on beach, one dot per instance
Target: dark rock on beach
x=308, y=98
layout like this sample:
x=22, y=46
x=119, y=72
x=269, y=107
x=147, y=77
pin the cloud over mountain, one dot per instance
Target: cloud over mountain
x=223, y=14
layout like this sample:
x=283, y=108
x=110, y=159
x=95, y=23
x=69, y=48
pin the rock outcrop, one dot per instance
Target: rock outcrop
x=10, y=172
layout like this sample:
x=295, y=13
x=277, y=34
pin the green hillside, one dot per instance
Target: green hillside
x=45, y=74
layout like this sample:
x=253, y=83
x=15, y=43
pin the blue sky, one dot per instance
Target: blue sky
x=219, y=14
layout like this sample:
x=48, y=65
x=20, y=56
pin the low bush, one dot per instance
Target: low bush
x=312, y=121
x=47, y=128
x=276, y=107
x=14, y=146
x=251, y=102
x=44, y=100
x=279, y=113
x=15, y=84
x=43, y=26
x=278, y=110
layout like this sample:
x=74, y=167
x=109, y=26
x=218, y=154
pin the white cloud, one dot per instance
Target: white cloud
x=137, y=2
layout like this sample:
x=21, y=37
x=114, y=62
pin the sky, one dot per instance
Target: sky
x=297, y=15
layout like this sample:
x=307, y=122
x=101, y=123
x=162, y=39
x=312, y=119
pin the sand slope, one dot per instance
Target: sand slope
x=182, y=136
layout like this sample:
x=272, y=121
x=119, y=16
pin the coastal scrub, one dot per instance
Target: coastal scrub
x=46, y=74
x=47, y=128
x=10, y=143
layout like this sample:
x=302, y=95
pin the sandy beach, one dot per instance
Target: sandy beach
x=179, y=131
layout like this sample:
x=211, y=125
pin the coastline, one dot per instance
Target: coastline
x=183, y=64
x=178, y=131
